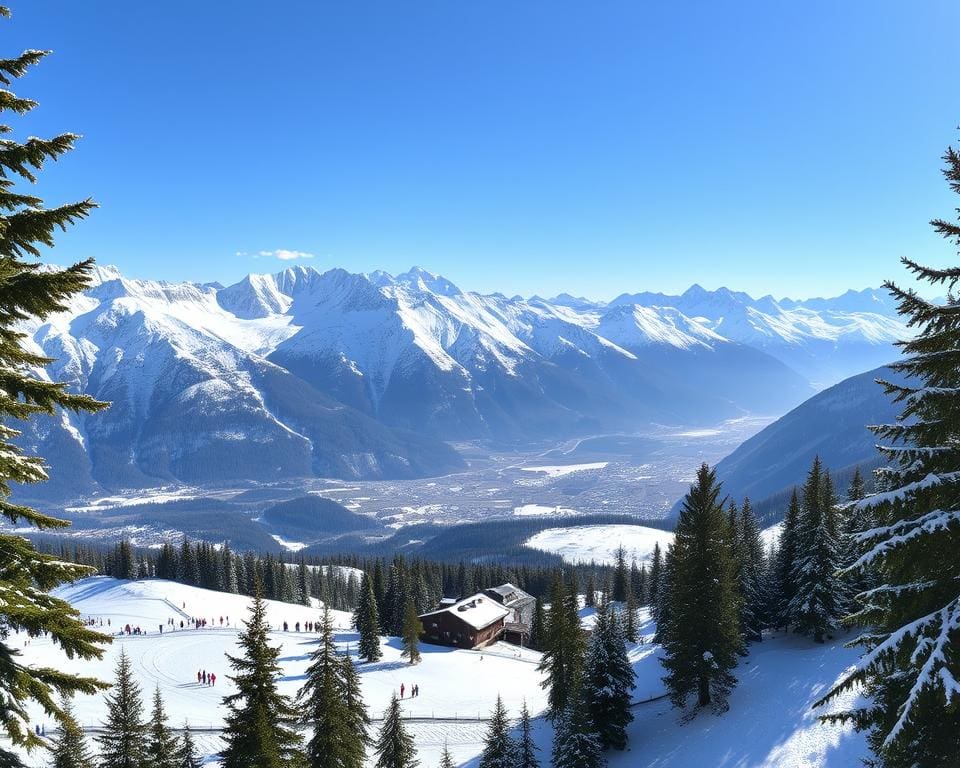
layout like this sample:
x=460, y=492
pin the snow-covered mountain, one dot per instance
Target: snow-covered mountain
x=826, y=340
x=353, y=375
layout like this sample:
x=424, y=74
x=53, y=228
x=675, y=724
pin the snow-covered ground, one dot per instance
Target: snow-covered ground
x=542, y=510
x=769, y=724
x=599, y=543
x=565, y=469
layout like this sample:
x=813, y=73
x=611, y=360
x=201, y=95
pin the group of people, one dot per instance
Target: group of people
x=206, y=678
x=308, y=626
x=414, y=690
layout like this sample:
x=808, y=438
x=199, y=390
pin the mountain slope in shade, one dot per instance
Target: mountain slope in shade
x=831, y=424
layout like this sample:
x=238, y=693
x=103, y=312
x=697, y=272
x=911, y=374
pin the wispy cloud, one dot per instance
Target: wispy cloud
x=284, y=254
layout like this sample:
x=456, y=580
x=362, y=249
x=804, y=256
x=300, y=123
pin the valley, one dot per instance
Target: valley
x=636, y=475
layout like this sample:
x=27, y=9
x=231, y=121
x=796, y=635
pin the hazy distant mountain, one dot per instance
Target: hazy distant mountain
x=826, y=340
x=831, y=424
x=361, y=376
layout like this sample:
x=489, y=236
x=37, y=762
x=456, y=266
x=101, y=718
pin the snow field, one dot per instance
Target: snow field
x=769, y=724
x=599, y=543
x=453, y=683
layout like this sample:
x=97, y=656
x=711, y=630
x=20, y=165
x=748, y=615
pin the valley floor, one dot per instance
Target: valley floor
x=769, y=722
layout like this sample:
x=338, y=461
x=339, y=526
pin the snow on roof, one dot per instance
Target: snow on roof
x=478, y=611
x=509, y=590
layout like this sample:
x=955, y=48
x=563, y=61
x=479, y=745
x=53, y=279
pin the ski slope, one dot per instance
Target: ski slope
x=769, y=724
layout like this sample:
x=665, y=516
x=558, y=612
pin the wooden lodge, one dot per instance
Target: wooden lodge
x=469, y=623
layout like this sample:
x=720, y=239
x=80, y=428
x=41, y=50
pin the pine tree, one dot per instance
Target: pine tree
x=818, y=601
x=621, y=576
x=562, y=658
x=394, y=747
x=303, y=584
x=367, y=622
x=630, y=627
x=590, y=598
x=339, y=739
x=575, y=743
x=785, y=587
x=69, y=748
x=661, y=605
x=187, y=756
x=656, y=566
x=858, y=487
x=858, y=518
x=258, y=731
x=608, y=679
x=752, y=571
x=526, y=754
x=446, y=759
x=411, y=633
x=702, y=636
x=911, y=662
x=123, y=741
x=161, y=743
x=499, y=750
x=27, y=290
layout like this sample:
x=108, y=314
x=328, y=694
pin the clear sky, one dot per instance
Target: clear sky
x=526, y=147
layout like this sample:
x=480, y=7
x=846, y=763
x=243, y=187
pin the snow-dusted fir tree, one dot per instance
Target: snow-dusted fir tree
x=366, y=619
x=754, y=597
x=446, y=759
x=818, y=601
x=857, y=518
x=161, y=743
x=69, y=749
x=394, y=746
x=621, y=576
x=259, y=719
x=575, y=742
x=608, y=679
x=338, y=739
x=123, y=741
x=911, y=663
x=526, y=756
x=187, y=756
x=661, y=605
x=656, y=567
x=784, y=586
x=701, y=639
x=27, y=290
x=499, y=749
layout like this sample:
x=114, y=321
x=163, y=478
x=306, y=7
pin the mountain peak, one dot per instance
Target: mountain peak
x=421, y=279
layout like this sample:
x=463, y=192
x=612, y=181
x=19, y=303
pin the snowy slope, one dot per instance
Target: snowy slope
x=599, y=543
x=769, y=725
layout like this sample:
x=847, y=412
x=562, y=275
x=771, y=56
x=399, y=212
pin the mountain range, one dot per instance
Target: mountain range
x=303, y=373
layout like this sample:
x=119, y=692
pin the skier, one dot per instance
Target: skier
x=401, y=690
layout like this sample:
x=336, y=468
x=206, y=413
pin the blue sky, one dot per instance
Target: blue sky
x=532, y=147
